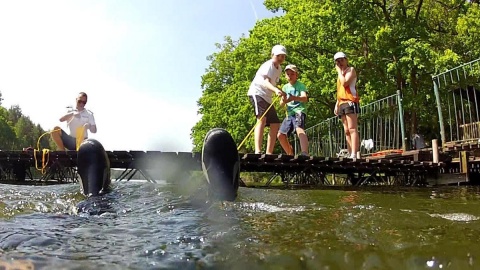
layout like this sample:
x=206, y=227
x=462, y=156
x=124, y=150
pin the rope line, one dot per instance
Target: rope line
x=258, y=121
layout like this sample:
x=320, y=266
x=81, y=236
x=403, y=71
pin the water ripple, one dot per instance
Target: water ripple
x=264, y=207
x=457, y=217
x=160, y=226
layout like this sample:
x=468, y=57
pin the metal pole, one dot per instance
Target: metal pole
x=439, y=108
x=435, y=150
x=330, y=142
x=402, y=122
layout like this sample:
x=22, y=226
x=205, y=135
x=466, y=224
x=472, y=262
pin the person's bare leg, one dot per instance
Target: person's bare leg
x=272, y=137
x=56, y=137
x=302, y=137
x=258, y=134
x=347, y=134
x=282, y=138
x=352, y=122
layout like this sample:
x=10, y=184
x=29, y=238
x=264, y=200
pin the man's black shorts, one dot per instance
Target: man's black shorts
x=260, y=106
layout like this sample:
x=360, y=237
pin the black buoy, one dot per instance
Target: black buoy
x=93, y=167
x=221, y=164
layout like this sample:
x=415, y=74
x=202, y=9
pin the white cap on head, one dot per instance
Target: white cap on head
x=279, y=49
x=292, y=68
x=339, y=55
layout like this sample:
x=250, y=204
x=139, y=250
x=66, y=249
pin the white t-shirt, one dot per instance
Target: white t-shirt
x=257, y=88
x=85, y=116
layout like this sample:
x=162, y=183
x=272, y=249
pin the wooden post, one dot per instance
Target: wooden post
x=463, y=156
x=435, y=150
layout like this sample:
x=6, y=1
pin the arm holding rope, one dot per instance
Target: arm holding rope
x=302, y=98
x=92, y=128
x=91, y=123
x=267, y=84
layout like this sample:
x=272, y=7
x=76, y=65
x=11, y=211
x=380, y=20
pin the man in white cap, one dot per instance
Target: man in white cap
x=347, y=106
x=297, y=96
x=260, y=93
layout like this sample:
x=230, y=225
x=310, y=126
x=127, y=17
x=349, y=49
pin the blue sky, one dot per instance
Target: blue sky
x=139, y=61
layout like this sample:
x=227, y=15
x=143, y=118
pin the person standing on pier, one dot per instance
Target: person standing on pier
x=260, y=93
x=295, y=100
x=347, y=106
x=76, y=119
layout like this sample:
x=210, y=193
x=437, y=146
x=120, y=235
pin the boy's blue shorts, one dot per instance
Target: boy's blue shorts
x=292, y=122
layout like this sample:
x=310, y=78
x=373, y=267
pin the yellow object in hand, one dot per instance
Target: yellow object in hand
x=80, y=135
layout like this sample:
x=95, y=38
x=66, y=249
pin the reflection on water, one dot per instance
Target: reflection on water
x=161, y=226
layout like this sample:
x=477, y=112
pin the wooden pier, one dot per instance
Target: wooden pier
x=411, y=168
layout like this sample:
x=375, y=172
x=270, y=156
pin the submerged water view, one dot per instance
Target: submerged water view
x=162, y=226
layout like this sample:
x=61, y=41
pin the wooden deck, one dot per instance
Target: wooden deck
x=118, y=159
x=192, y=161
x=408, y=165
x=273, y=163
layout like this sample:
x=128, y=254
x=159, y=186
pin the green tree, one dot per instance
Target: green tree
x=393, y=44
x=45, y=141
x=18, y=131
x=25, y=131
x=14, y=114
x=217, y=77
x=7, y=133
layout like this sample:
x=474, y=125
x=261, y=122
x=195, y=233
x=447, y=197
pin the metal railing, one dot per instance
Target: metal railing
x=457, y=93
x=380, y=122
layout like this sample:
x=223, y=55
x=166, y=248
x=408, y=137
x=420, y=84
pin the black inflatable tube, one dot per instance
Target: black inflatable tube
x=221, y=164
x=93, y=168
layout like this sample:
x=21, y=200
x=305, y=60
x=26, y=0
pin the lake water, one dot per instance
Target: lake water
x=171, y=226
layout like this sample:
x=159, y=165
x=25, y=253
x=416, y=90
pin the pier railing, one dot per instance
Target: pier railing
x=457, y=93
x=380, y=125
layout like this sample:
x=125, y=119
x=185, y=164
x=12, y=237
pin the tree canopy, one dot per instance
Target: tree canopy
x=393, y=45
x=17, y=131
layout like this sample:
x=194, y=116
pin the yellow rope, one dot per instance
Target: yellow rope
x=259, y=120
x=79, y=136
x=46, y=152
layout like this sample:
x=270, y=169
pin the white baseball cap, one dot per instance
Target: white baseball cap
x=279, y=49
x=292, y=68
x=339, y=55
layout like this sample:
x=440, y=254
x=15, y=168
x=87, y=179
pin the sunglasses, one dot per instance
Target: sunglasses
x=81, y=101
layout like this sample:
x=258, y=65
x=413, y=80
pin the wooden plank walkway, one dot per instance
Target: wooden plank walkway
x=273, y=163
x=408, y=168
x=249, y=162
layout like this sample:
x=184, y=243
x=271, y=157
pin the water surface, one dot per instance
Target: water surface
x=171, y=226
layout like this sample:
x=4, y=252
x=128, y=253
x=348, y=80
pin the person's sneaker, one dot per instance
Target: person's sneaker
x=353, y=156
x=304, y=154
x=343, y=153
x=259, y=153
